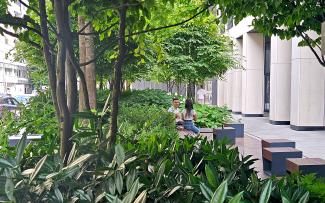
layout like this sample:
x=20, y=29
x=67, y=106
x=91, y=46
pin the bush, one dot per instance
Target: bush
x=211, y=116
x=38, y=117
x=146, y=97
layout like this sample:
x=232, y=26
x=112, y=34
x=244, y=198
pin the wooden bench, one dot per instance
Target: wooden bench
x=274, y=159
x=278, y=143
x=306, y=166
x=206, y=130
x=184, y=132
x=229, y=132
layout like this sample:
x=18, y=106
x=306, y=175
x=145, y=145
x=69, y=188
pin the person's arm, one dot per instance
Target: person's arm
x=194, y=116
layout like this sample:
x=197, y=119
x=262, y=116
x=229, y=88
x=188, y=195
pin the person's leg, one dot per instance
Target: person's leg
x=195, y=129
x=189, y=125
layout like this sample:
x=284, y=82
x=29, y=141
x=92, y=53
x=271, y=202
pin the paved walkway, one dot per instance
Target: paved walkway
x=312, y=143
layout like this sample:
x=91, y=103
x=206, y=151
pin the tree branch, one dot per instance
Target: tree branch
x=34, y=44
x=39, y=14
x=306, y=38
x=101, y=52
x=168, y=26
x=83, y=28
x=99, y=32
x=145, y=31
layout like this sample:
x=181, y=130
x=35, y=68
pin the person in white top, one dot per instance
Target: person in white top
x=200, y=95
x=189, y=115
x=175, y=109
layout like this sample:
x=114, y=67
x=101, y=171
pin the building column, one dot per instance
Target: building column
x=229, y=82
x=214, y=92
x=280, y=79
x=253, y=75
x=237, y=80
x=220, y=93
x=307, y=89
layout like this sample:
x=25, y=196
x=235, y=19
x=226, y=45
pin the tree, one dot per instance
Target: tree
x=286, y=19
x=194, y=54
x=54, y=18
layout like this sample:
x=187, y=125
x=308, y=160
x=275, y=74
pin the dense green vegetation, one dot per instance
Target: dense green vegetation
x=151, y=164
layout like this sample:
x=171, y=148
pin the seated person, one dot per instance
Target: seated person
x=175, y=109
x=189, y=115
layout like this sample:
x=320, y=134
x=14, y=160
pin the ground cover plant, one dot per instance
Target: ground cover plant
x=150, y=164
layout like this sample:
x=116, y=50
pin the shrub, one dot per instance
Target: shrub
x=38, y=117
x=146, y=97
x=211, y=116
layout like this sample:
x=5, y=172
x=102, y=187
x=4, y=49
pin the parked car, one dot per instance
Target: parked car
x=8, y=103
x=23, y=99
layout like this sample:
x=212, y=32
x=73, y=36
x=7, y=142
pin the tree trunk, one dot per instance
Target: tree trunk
x=71, y=87
x=49, y=58
x=91, y=68
x=118, y=75
x=190, y=93
x=82, y=59
x=61, y=11
x=101, y=82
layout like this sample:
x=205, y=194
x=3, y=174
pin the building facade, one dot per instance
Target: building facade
x=277, y=79
x=13, y=75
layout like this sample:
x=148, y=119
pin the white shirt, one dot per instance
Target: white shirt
x=200, y=94
x=188, y=116
x=173, y=110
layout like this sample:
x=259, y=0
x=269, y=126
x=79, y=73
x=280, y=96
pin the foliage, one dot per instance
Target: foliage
x=80, y=180
x=151, y=163
x=146, y=97
x=38, y=117
x=286, y=19
x=194, y=54
x=211, y=116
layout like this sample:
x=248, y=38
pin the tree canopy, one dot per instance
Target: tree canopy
x=286, y=19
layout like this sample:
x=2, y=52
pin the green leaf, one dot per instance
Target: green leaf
x=174, y=190
x=100, y=197
x=160, y=173
x=9, y=189
x=212, y=179
x=5, y=164
x=20, y=148
x=78, y=161
x=130, y=178
x=220, y=194
x=285, y=199
x=58, y=194
x=111, y=186
x=304, y=198
x=120, y=155
x=206, y=191
x=37, y=168
x=237, y=198
x=132, y=193
x=266, y=192
x=142, y=197
x=119, y=182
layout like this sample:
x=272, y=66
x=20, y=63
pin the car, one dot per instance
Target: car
x=8, y=103
x=23, y=99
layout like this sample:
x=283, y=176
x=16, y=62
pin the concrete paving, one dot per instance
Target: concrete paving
x=312, y=143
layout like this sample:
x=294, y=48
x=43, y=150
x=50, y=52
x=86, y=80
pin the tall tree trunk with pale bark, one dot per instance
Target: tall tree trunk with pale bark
x=82, y=59
x=90, y=70
x=61, y=15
